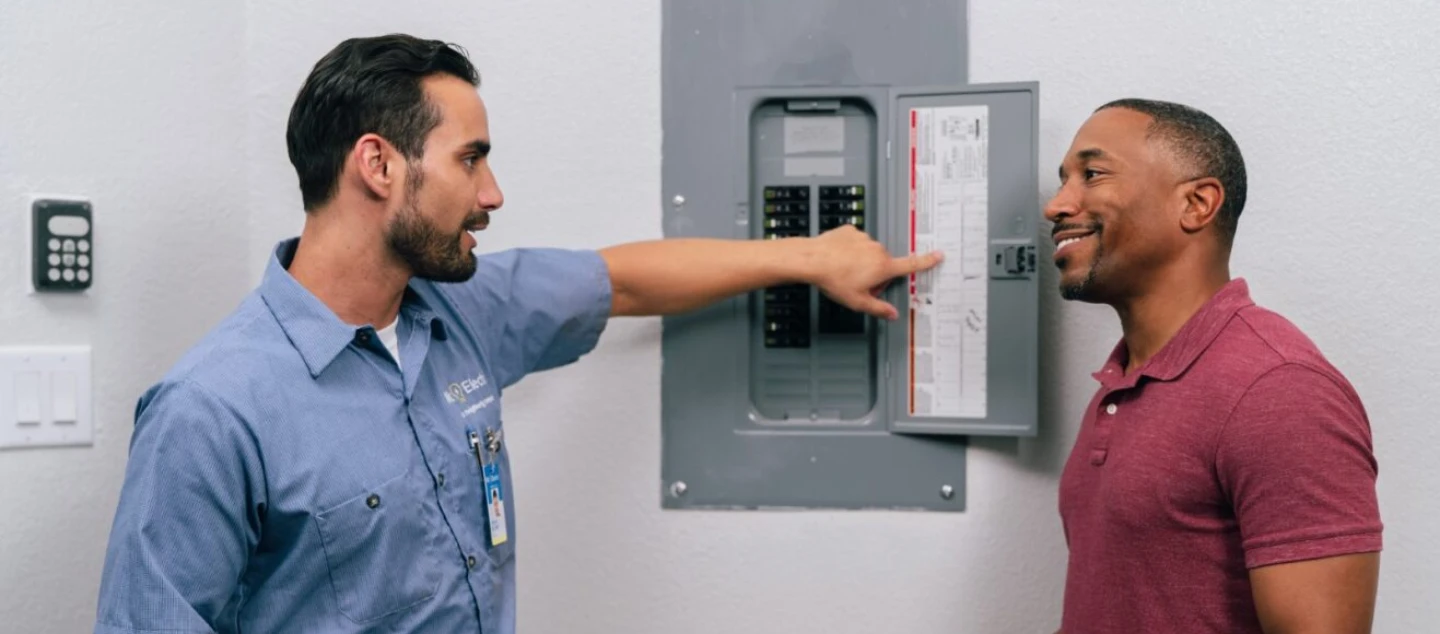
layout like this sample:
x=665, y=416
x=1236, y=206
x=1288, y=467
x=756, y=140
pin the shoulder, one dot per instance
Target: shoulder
x=1289, y=358
x=242, y=358
x=1261, y=350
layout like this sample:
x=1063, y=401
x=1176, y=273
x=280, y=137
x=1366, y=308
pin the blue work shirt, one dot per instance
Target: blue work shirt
x=288, y=476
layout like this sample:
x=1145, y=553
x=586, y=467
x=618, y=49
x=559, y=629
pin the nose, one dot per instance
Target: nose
x=488, y=196
x=1064, y=204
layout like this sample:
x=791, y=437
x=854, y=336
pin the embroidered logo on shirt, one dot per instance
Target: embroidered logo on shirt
x=459, y=393
x=455, y=393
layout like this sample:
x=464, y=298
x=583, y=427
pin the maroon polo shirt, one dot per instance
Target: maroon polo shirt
x=1236, y=446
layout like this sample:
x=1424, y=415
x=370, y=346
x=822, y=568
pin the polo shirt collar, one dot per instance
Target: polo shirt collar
x=1188, y=343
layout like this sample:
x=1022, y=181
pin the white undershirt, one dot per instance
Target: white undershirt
x=391, y=339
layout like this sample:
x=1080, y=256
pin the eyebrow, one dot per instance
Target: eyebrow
x=480, y=147
x=1087, y=154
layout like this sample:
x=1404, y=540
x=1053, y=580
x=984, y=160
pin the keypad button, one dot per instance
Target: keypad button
x=69, y=259
x=54, y=244
x=68, y=246
x=83, y=275
x=54, y=259
x=69, y=275
x=84, y=260
x=54, y=275
x=84, y=246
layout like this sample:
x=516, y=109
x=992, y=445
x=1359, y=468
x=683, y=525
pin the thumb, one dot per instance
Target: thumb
x=876, y=307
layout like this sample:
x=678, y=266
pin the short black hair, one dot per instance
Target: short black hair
x=362, y=86
x=1200, y=139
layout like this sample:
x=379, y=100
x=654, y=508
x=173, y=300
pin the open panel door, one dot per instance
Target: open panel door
x=963, y=356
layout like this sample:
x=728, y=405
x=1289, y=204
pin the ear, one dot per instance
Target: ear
x=1203, y=198
x=371, y=158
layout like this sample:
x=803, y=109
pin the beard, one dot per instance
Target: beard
x=430, y=252
x=1084, y=290
x=1081, y=290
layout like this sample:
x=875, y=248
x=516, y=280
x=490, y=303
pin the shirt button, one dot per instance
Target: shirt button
x=372, y=501
x=362, y=337
x=440, y=480
x=1110, y=409
x=470, y=561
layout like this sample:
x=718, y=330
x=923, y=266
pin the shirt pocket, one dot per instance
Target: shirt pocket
x=379, y=548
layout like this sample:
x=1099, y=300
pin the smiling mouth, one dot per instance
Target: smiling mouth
x=1067, y=237
x=1069, y=241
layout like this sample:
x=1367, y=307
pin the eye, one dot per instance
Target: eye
x=1090, y=174
x=470, y=161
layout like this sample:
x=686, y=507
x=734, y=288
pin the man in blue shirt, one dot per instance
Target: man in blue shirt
x=331, y=458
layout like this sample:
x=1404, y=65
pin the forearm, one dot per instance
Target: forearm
x=662, y=277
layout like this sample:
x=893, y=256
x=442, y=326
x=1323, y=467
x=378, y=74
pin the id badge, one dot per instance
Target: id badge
x=495, y=504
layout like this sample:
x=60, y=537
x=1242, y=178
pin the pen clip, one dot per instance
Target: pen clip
x=475, y=447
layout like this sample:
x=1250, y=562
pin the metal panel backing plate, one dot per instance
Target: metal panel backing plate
x=717, y=451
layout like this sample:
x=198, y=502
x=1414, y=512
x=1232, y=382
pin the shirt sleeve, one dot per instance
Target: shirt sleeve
x=535, y=309
x=1296, y=460
x=188, y=516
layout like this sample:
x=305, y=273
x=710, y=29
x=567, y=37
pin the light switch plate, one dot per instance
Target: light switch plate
x=31, y=379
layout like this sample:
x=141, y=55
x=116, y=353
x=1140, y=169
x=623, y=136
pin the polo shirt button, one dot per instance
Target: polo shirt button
x=372, y=501
x=1110, y=409
x=362, y=336
x=470, y=561
x=440, y=480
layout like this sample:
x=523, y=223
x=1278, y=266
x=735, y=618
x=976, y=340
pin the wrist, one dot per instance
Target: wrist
x=799, y=260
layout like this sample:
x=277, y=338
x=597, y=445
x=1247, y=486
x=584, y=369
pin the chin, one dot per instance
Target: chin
x=1079, y=287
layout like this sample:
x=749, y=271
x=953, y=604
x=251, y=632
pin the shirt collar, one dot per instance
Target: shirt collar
x=1189, y=342
x=312, y=328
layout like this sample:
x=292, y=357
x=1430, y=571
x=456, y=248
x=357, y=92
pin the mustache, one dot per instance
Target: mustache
x=476, y=219
x=1081, y=226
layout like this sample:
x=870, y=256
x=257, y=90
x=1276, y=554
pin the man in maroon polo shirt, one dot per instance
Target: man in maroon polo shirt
x=1223, y=479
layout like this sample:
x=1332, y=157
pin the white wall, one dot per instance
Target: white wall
x=141, y=110
x=172, y=118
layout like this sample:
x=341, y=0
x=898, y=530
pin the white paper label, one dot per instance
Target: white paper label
x=949, y=211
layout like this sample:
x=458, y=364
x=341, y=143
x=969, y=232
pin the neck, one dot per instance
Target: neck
x=1151, y=319
x=349, y=267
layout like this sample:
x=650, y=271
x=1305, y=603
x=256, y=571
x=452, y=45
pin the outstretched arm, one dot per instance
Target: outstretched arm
x=662, y=277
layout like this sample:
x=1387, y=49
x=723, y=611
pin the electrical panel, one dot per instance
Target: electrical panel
x=783, y=398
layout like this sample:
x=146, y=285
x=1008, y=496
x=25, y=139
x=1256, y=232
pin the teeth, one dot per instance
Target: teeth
x=1069, y=241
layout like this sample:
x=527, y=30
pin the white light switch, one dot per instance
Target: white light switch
x=45, y=397
x=62, y=397
x=27, y=398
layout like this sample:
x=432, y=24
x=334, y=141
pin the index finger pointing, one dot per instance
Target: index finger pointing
x=915, y=262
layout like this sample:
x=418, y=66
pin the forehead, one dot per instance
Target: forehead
x=462, y=113
x=1117, y=132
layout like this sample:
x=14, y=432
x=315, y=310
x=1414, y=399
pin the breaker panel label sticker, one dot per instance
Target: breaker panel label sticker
x=949, y=211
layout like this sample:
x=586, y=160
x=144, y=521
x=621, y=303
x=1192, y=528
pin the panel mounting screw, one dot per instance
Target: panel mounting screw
x=947, y=491
x=678, y=489
x=678, y=200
